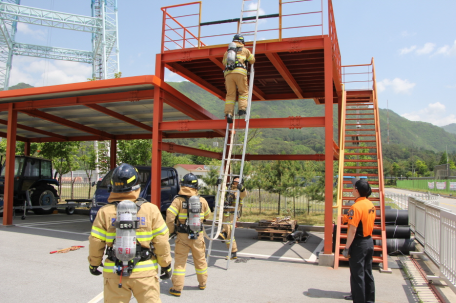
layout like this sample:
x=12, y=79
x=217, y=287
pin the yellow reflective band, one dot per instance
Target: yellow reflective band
x=98, y=233
x=145, y=265
x=208, y=211
x=110, y=237
x=109, y=267
x=250, y=57
x=144, y=235
x=179, y=272
x=201, y=271
x=131, y=179
x=182, y=216
x=193, y=181
x=160, y=231
x=243, y=97
x=230, y=102
x=173, y=210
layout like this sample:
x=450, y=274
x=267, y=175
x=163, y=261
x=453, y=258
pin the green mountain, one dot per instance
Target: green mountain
x=451, y=128
x=20, y=85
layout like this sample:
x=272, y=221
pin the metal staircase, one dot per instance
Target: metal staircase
x=233, y=137
x=361, y=157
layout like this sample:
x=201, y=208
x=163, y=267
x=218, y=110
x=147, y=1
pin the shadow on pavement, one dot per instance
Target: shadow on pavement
x=329, y=294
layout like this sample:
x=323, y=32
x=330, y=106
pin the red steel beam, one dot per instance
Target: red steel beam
x=39, y=114
x=183, y=72
x=36, y=130
x=174, y=148
x=82, y=100
x=283, y=70
x=27, y=148
x=290, y=122
x=179, y=135
x=329, y=147
x=157, y=134
x=113, y=154
x=20, y=138
x=8, y=191
x=116, y=115
x=295, y=44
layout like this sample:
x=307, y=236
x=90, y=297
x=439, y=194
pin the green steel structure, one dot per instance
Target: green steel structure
x=103, y=25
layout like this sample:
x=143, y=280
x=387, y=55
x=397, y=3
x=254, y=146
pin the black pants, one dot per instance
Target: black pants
x=361, y=278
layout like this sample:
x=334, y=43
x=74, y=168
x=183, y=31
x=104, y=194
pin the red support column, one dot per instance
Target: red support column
x=329, y=153
x=27, y=148
x=157, y=135
x=9, y=169
x=113, y=154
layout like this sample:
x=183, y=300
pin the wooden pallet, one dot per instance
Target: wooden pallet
x=273, y=234
x=289, y=225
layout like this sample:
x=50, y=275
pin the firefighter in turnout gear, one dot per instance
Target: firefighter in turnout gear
x=228, y=213
x=359, y=248
x=150, y=243
x=235, y=60
x=185, y=217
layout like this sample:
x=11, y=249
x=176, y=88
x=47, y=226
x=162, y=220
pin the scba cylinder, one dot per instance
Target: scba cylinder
x=125, y=244
x=231, y=55
x=194, y=212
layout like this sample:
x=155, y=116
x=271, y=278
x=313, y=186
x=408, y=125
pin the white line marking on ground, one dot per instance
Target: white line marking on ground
x=52, y=222
x=60, y=231
x=97, y=298
x=313, y=257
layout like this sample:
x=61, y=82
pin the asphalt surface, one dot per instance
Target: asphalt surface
x=446, y=202
x=266, y=271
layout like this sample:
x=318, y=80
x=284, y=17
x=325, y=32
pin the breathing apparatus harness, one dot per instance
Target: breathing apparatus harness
x=125, y=258
x=192, y=225
x=232, y=61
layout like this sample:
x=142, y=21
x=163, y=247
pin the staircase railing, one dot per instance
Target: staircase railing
x=340, y=187
x=381, y=187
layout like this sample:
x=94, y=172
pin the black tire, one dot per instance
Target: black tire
x=70, y=210
x=42, y=197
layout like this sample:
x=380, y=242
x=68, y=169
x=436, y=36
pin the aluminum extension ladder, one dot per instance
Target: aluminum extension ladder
x=233, y=138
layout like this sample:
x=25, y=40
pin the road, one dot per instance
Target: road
x=449, y=203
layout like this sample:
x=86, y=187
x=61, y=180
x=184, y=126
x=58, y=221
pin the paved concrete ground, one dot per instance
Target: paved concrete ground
x=265, y=272
x=446, y=202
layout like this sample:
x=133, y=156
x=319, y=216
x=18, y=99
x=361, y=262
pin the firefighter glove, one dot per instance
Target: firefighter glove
x=94, y=271
x=166, y=272
x=219, y=181
x=240, y=187
x=345, y=253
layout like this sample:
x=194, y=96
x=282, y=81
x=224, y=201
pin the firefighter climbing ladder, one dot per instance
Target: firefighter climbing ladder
x=233, y=138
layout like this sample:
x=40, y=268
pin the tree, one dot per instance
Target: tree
x=63, y=156
x=87, y=162
x=204, y=160
x=314, y=183
x=259, y=178
x=211, y=181
x=277, y=181
x=134, y=152
x=421, y=167
x=293, y=177
x=170, y=159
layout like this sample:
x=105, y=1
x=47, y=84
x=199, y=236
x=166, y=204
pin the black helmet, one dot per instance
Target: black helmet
x=125, y=178
x=239, y=38
x=190, y=180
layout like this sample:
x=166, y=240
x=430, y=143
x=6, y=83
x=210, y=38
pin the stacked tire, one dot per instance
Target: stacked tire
x=398, y=233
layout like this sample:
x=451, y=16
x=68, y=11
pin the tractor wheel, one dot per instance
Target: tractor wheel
x=44, y=196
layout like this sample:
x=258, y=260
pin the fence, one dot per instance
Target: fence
x=435, y=229
x=80, y=191
x=448, y=186
x=401, y=200
x=269, y=202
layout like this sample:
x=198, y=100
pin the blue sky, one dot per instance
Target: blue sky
x=413, y=43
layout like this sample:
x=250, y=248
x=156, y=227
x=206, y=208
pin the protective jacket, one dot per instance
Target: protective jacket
x=183, y=244
x=243, y=56
x=153, y=230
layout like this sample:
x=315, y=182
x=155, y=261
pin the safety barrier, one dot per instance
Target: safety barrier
x=296, y=18
x=442, y=186
x=435, y=229
x=401, y=200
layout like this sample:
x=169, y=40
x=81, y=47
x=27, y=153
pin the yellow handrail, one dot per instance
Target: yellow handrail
x=340, y=181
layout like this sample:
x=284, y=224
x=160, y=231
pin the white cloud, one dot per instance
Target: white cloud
x=426, y=49
x=407, y=34
x=434, y=113
x=26, y=30
x=41, y=72
x=407, y=50
x=253, y=6
x=173, y=77
x=447, y=50
x=398, y=85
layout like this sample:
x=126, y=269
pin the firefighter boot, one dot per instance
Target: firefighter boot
x=242, y=112
x=223, y=236
x=233, y=256
x=229, y=118
x=175, y=293
x=202, y=287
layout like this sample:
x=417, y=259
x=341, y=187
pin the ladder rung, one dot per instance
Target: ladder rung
x=361, y=119
x=360, y=124
x=249, y=11
x=360, y=147
x=370, y=182
x=360, y=141
x=360, y=129
x=360, y=154
x=354, y=160
x=360, y=167
x=360, y=135
x=235, y=144
x=248, y=22
x=362, y=174
x=360, y=114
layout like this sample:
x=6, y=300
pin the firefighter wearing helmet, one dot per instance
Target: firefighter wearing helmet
x=235, y=60
x=184, y=217
x=136, y=240
x=228, y=213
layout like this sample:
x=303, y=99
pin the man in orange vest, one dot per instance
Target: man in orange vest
x=359, y=248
